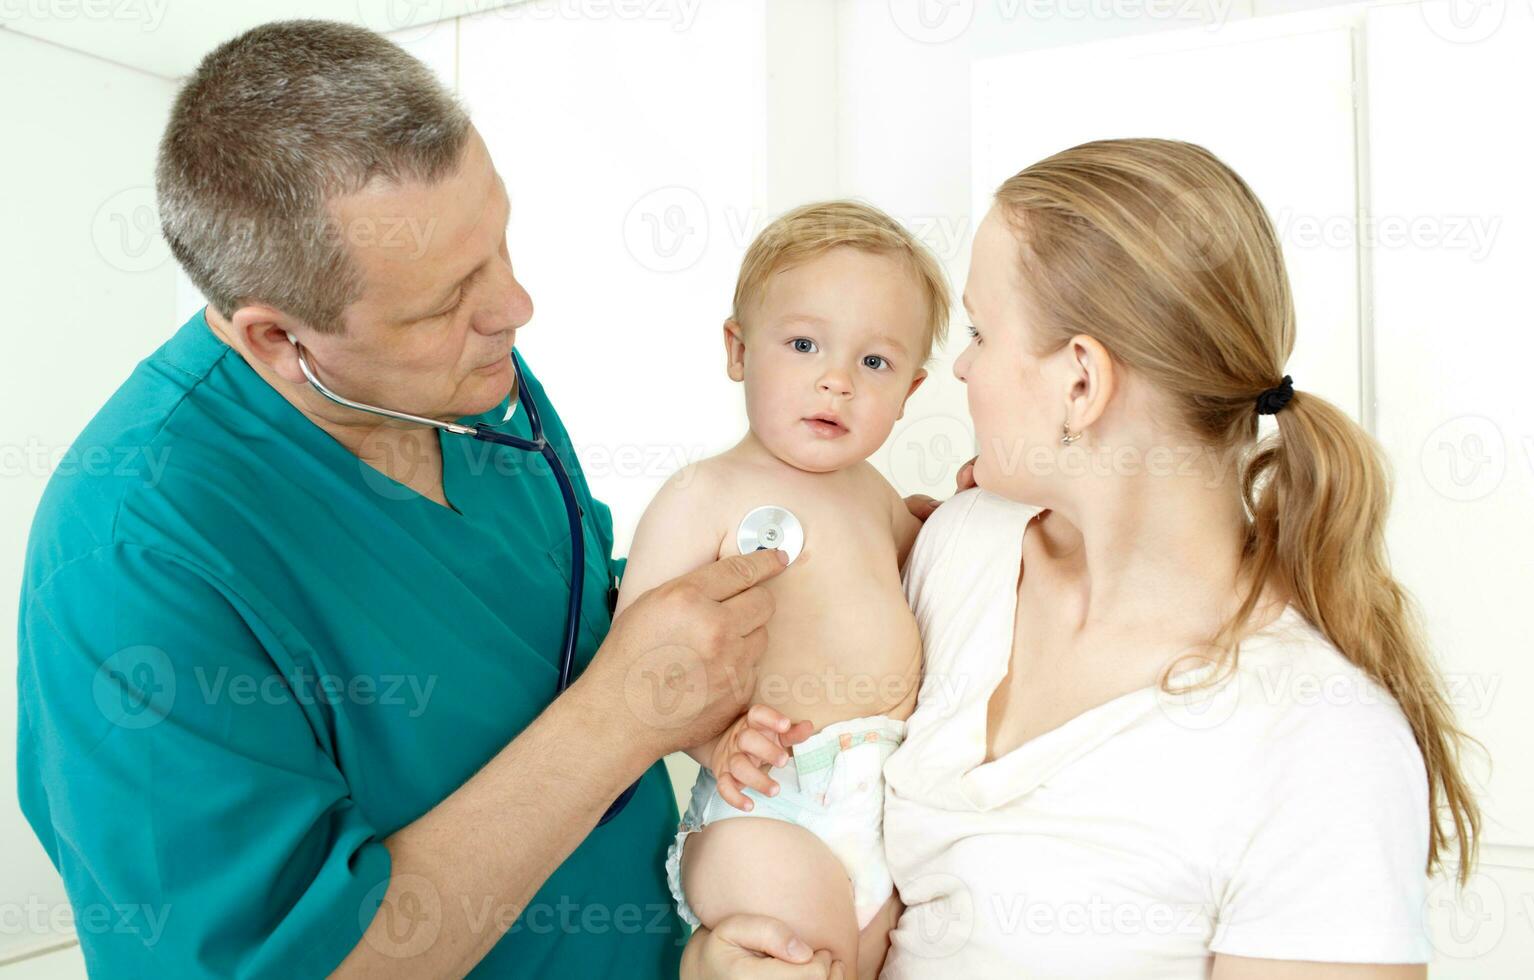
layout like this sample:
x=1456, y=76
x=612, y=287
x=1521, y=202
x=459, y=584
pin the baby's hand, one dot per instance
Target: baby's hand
x=755, y=741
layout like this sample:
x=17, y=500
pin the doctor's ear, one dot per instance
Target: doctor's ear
x=735, y=350
x=278, y=350
x=270, y=337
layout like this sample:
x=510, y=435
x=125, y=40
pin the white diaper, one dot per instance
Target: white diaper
x=834, y=788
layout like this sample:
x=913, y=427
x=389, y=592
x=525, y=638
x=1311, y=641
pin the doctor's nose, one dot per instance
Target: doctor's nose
x=509, y=308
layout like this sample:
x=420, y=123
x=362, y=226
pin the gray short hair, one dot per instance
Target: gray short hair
x=270, y=127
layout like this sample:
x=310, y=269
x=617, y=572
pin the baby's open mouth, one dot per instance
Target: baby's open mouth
x=825, y=425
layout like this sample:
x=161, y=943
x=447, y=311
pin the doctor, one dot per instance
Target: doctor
x=287, y=707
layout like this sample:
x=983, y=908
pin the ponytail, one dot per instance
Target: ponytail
x=1318, y=494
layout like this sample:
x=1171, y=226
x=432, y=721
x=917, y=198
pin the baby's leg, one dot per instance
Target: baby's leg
x=772, y=867
x=874, y=940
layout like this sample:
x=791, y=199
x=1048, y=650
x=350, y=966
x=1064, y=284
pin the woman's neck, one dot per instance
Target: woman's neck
x=1142, y=550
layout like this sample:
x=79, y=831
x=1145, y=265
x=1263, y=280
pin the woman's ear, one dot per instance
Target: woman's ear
x=1092, y=381
x=735, y=350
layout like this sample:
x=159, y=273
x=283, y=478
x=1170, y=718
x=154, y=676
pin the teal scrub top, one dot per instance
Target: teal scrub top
x=247, y=657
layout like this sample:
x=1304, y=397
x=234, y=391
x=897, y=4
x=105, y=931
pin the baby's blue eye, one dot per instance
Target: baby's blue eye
x=803, y=345
x=972, y=331
x=878, y=361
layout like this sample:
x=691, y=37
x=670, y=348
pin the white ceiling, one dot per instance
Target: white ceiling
x=168, y=38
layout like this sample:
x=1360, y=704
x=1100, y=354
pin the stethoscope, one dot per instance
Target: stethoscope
x=537, y=444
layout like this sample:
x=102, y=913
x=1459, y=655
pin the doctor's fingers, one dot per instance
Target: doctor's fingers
x=737, y=573
x=746, y=945
x=965, y=478
x=821, y=967
x=749, y=611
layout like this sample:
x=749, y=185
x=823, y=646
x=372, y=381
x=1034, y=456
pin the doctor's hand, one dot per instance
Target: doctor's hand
x=680, y=662
x=755, y=947
x=921, y=506
x=966, y=475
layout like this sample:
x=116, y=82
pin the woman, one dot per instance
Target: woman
x=1178, y=719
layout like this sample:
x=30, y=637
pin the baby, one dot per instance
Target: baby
x=836, y=310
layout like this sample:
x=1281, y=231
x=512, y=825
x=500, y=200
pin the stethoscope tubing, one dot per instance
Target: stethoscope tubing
x=537, y=444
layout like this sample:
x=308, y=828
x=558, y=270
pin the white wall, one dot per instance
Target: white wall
x=88, y=292
x=1451, y=205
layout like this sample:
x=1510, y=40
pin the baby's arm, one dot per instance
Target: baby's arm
x=903, y=523
x=678, y=533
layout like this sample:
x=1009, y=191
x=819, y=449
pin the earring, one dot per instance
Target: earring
x=1067, y=438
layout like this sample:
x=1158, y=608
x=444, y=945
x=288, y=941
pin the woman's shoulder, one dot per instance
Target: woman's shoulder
x=973, y=521
x=1309, y=709
x=1321, y=848
x=1299, y=670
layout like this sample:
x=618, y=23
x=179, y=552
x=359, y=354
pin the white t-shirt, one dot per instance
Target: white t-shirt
x=1282, y=816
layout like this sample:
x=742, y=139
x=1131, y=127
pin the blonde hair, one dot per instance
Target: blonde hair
x=813, y=229
x=1163, y=254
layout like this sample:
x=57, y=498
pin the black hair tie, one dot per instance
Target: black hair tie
x=1276, y=397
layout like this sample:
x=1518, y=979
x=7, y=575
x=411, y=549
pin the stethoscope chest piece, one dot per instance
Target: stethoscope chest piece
x=770, y=527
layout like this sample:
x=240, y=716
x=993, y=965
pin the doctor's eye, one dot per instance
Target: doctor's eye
x=451, y=307
x=803, y=345
x=879, y=362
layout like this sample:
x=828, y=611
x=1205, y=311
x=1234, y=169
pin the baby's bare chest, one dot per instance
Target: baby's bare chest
x=842, y=641
x=839, y=530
